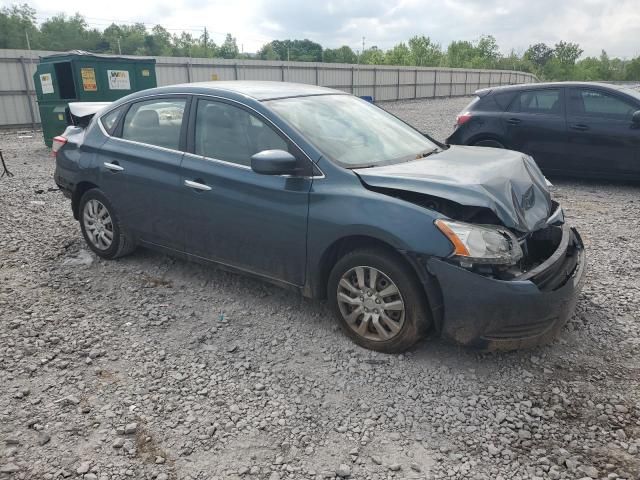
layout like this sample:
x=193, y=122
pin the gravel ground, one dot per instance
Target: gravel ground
x=153, y=368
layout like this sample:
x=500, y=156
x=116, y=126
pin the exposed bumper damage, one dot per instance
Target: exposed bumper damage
x=527, y=310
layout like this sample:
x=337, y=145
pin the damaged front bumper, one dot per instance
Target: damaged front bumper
x=493, y=314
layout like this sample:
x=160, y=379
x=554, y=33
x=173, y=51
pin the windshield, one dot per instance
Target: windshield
x=353, y=132
x=634, y=92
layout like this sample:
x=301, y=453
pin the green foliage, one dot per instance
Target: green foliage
x=294, y=50
x=229, y=49
x=560, y=62
x=372, y=56
x=398, y=55
x=424, y=52
x=343, y=54
x=16, y=23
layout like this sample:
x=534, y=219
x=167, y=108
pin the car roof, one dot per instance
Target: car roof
x=258, y=90
x=527, y=86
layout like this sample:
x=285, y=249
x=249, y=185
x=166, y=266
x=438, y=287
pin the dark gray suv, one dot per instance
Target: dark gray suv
x=323, y=192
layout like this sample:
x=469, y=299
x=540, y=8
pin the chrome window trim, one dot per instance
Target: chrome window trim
x=194, y=97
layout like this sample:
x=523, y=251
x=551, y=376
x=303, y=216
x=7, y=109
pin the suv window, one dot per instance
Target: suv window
x=155, y=122
x=599, y=104
x=229, y=133
x=537, y=101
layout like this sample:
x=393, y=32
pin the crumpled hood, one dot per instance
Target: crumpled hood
x=507, y=182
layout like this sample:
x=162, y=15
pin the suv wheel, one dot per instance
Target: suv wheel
x=101, y=226
x=378, y=300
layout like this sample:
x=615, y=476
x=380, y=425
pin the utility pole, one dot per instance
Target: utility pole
x=362, y=44
x=119, y=49
x=205, y=41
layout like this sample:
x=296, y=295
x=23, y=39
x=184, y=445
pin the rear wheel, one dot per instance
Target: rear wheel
x=378, y=300
x=488, y=143
x=101, y=226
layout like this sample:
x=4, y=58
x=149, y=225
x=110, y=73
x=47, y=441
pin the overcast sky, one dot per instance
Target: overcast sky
x=613, y=25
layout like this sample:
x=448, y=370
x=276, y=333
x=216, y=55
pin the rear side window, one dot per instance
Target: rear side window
x=537, y=101
x=599, y=104
x=155, y=122
x=225, y=132
x=110, y=120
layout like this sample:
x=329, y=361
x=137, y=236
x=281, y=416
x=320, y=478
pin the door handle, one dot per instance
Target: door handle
x=579, y=126
x=114, y=167
x=514, y=121
x=197, y=186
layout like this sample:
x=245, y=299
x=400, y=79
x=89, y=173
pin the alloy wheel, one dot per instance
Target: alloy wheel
x=371, y=303
x=98, y=224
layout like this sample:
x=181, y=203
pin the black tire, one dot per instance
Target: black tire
x=122, y=242
x=414, y=321
x=488, y=142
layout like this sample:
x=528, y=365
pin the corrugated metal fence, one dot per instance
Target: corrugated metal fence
x=18, y=106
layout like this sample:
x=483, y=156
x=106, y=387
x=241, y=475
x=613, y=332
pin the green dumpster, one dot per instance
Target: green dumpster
x=79, y=76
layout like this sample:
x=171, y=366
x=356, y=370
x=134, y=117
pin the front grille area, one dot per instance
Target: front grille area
x=520, y=331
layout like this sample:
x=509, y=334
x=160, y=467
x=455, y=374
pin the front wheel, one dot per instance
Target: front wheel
x=378, y=300
x=101, y=226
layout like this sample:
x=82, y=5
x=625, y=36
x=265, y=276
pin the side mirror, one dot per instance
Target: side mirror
x=635, y=118
x=274, y=162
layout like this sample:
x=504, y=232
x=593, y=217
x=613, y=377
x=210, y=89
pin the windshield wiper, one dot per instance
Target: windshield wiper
x=427, y=153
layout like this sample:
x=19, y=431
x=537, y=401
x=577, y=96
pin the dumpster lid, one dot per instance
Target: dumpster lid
x=83, y=53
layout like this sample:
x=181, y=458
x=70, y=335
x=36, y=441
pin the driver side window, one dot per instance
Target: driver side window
x=594, y=103
x=232, y=134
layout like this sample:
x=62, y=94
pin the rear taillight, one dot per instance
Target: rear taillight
x=463, y=118
x=58, y=142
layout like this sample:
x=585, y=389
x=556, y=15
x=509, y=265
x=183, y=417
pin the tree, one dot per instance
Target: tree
x=16, y=23
x=562, y=65
x=632, y=70
x=487, y=52
x=183, y=45
x=460, y=54
x=567, y=53
x=294, y=50
x=343, y=54
x=400, y=54
x=158, y=42
x=229, y=49
x=372, y=56
x=267, y=52
x=539, y=54
x=424, y=53
x=68, y=33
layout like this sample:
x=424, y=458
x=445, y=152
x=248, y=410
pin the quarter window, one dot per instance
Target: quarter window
x=155, y=122
x=110, y=120
x=537, y=101
x=225, y=132
x=599, y=104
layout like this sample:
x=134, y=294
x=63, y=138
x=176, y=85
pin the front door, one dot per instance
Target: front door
x=233, y=215
x=535, y=125
x=603, y=141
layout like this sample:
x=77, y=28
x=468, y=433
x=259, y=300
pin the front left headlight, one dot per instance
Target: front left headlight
x=481, y=244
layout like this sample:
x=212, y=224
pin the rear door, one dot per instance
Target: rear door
x=140, y=163
x=233, y=215
x=602, y=139
x=535, y=124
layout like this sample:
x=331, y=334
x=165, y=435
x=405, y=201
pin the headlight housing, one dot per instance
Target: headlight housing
x=485, y=244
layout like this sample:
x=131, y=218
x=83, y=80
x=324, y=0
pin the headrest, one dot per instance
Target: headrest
x=147, y=119
x=217, y=117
